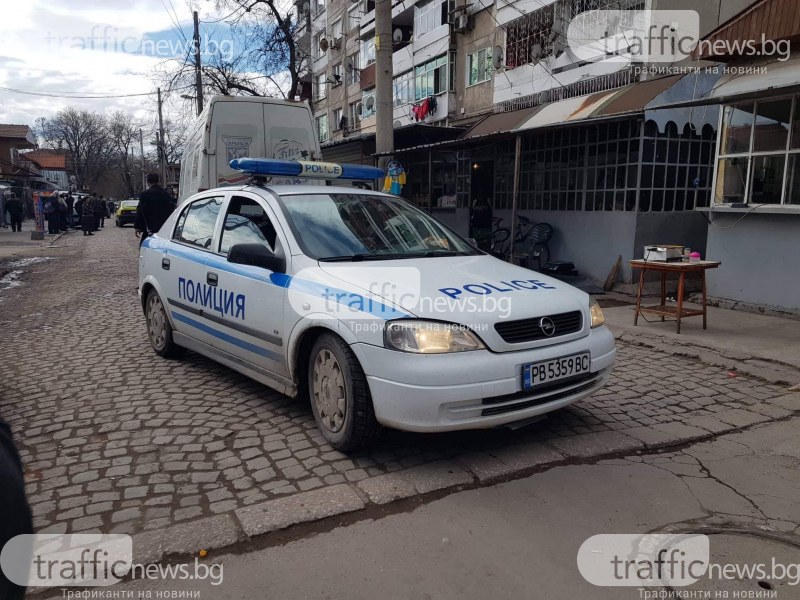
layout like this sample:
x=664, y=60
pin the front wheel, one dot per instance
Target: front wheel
x=340, y=398
x=159, y=329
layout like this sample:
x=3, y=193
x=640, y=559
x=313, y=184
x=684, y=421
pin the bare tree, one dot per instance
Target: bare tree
x=86, y=136
x=261, y=58
x=125, y=139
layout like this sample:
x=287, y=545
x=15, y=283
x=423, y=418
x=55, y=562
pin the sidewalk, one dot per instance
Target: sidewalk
x=20, y=243
x=759, y=345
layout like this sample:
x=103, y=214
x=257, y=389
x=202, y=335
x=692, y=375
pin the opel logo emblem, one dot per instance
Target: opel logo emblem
x=547, y=326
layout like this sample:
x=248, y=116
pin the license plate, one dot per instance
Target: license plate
x=538, y=373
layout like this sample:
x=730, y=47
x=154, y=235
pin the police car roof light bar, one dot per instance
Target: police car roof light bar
x=305, y=168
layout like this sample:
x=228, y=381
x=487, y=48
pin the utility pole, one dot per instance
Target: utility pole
x=384, y=134
x=141, y=152
x=162, y=170
x=198, y=80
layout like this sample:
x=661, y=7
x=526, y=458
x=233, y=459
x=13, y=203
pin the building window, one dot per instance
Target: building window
x=759, y=153
x=368, y=103
x=319, y=7
x=355, y=114
x=430, y=78
x=316, y=49
x=353, y=68
x=336, y=29
x=429, y=15
x=322, y=84
x=322, y=128
x=336, y=73
x=367, y=52
x=528, y=38
x=337, y=119
x=403, y=88
x=479, y=65
x=353, y=18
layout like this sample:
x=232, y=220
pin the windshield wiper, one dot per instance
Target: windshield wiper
x=448, y=253
x=361, y=257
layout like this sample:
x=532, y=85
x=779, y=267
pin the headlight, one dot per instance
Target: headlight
x=597, y=313
x=430, y=337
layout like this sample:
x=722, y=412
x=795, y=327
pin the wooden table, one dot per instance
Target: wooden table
x=681, y=268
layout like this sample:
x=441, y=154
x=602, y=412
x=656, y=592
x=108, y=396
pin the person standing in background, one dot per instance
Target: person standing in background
x=87, y=215
x=15, y=210
x=70, y=207
x=155, y=207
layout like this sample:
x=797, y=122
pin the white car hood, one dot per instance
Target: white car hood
x=476, y=291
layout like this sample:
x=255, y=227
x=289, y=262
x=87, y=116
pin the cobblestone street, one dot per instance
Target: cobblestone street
x=114, y=438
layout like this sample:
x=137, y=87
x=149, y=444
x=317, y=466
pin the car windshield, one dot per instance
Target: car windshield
x=364, y=227
x=128, y=204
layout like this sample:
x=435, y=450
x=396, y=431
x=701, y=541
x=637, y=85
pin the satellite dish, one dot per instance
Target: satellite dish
x=360, y=108
x=397, y=35
x=497, y=58
x=370, y=103
x=323, y=44
x=397, y=124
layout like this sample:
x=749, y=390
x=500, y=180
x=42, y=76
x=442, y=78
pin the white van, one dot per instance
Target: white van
x=240, y=126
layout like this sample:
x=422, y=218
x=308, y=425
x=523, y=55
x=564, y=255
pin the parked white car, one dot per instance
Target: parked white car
x=367, y=305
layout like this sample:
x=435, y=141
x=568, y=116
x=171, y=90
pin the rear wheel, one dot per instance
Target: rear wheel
x=159, y=329
x=340, y=398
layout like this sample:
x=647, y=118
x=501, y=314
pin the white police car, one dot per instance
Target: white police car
x=368, y=305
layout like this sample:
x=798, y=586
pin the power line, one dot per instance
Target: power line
x=57, y=94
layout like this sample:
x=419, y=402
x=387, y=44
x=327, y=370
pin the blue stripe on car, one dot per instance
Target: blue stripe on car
x=225, y=337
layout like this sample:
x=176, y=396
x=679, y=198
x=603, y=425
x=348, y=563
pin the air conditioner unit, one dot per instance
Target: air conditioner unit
x=462, y=22
x=334, y=43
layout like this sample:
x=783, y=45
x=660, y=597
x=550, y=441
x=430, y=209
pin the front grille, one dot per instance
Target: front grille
x=529, y=330
x=553, y=394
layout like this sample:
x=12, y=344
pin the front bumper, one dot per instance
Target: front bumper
x=475, y=390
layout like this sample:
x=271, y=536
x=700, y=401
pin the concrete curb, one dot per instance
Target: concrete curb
x=767, y=370
x=468, y=471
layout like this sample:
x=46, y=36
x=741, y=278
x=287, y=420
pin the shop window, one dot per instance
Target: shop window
x=771, y=129
x=731, y=179
x=737, y=123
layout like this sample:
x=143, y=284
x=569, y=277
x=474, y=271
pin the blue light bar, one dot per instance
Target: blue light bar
x=305, y=168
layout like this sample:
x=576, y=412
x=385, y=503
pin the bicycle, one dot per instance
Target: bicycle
x=530, y=242
x=494, y=242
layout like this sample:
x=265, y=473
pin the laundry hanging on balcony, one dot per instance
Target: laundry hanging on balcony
x=424, y=108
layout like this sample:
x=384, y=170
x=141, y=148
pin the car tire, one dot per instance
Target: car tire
x=339, y=395
x=159, y=329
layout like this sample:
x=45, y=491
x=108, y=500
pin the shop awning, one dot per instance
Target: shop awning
x=630, y=99
x=739, y=85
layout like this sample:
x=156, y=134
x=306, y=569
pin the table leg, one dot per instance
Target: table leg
x=680, y=298
x=639, y=298
x=663, y=291
x=703, y=276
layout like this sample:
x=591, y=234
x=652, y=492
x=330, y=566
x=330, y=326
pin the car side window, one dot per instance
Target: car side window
x=196, y=222
x=246, y=222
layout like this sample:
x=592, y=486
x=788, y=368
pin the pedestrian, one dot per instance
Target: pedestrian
x=155, y=207
x=15, y=210
x=51, y=213
x=62, y=212
x=3, y=211
x=101, y=211
x=87, y=215
x=70, y=208
x=16, y=513
x=97, y=207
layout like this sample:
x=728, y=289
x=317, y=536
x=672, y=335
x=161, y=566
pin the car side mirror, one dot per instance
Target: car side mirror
x=256, y=255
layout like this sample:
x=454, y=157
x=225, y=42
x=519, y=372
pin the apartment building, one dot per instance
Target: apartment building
x=489, y=94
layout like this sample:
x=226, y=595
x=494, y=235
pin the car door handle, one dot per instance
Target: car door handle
x=212, y=278
x=165, y=264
